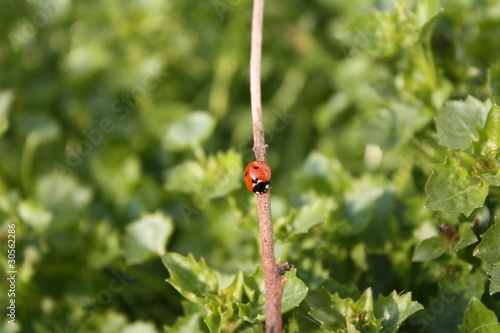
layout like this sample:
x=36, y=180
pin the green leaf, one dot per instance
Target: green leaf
x=494, y=273
x=63, y=194
x=479, y=319
x=214, y=322
x=312, y=214
x=323, y=173
x=384, y=34
x=221, y=313
x=329, y=310
x=487, y=149
x=189, y=132
x=365, y=301
x=335, y=314
x=139, y=327
x=211, y=178
x=494, y=82
x=365, y=319
x=147, y=237
x=450, y=188
x=109, y=247
x=301, y=321
x=492, y=179
x=221, y=307
x=190, y=278
x=486, y=168
x=223, y=174
x=463, y=283
x=6, y=98
x=395, y=309
x=41, y=129
x=394, y=125
x=484, y=163
x=187, y=177
x=361, y=202
x=294, y=292
x=488, y=251
x=118, y=173
x=456, y=123
x=488, y=248
x=254, y=309
x=235, y=290
x=189, y=324
x=35, y=215
x=466, y=236
x=429, y=249
x=490, y=133
x=427, y=13
x=426, y=10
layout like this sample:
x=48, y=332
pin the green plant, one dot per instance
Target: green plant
x=124, y=130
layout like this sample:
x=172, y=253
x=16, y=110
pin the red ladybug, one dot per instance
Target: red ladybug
x=258, y=177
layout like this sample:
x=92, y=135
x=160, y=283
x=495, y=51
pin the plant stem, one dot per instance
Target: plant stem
x=260, y=147
x=273, y=281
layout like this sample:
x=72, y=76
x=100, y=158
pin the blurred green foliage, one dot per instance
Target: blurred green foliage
x=125, y=128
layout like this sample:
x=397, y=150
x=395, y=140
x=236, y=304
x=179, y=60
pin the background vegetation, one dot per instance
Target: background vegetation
x=125, y=128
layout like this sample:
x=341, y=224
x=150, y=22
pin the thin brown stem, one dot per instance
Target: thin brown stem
x=260, y=147
x=273, y=281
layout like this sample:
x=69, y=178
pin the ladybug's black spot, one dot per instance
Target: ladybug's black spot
x=255, y=167
x=262, y=187
x=246, y=173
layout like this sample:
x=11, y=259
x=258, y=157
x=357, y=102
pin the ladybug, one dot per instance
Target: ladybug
x=258, y=177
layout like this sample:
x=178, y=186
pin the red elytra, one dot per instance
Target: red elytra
x=258, y=177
